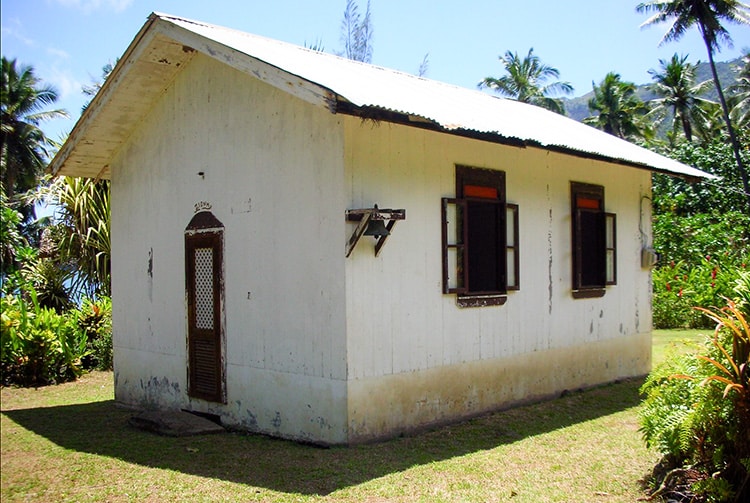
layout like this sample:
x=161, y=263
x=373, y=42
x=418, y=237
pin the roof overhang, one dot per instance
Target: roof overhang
x=166, y=44
x=160, y=50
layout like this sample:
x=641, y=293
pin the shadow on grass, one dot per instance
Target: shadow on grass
x=101, y=428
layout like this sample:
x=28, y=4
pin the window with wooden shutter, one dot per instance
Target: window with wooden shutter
x=593, y=241
x=480, y=239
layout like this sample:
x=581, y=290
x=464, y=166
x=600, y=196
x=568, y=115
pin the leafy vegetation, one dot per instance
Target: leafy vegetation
x=618, y=110
x=697, y=410
x=681, y=198
x=679, y=287
x=707, y=17
x=79, y=240
x=40, y=346
x=701, y=234
x=49, y=332
x=527, y=80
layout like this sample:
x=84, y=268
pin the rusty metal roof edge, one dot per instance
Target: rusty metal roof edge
x=420, y=121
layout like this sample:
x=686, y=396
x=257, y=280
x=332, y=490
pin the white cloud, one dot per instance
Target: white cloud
x=14, y=28
x=92, y=5
x=65, y=82
x=58, y=53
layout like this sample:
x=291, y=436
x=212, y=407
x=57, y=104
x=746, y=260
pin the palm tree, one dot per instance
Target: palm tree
x=81, y=235
x=707, y=16
x=96, y=85
x=526, y=81
x=23, y=145
x=618, y=110
x=740, y=95
x=675, y=84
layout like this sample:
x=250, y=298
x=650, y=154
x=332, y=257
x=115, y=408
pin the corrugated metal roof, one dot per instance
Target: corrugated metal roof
x=449, y=108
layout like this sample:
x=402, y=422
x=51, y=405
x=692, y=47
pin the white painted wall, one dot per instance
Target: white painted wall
x=416, y=358
x=273, y=175
x=323, y=348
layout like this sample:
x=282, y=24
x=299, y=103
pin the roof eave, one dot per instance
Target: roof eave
x=109, y=120
x=378, y=114
x=104, y=96
x=165, y=44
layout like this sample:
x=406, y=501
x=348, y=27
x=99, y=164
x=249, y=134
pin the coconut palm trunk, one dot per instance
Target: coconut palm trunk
x=725, y=113
x=707, y=16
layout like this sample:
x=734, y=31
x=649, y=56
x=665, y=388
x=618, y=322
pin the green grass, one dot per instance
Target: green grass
x=71, y=443
x=682, y=340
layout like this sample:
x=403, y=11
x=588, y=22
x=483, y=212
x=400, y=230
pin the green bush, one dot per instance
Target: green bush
x=40, y=346
x=37, y=345
x=697, y=410
x=723, y=236
x=678, y=287
x=95, y=320
x=701, y=257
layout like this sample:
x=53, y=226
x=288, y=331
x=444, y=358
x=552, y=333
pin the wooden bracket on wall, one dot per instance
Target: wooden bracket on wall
x=364, y=216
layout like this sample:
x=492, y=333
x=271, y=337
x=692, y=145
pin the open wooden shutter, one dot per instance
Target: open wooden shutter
x=611, y=247
x=513, y=255
x=455, y=254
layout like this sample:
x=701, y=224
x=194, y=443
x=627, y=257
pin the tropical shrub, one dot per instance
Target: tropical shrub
x=95, y=321
x=50, y=282
x=41, y=346
x=680, y=286
x=723, y=236
x=38, y=346
x=697, y=410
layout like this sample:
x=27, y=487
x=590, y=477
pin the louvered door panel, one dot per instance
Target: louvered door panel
x=203, y=270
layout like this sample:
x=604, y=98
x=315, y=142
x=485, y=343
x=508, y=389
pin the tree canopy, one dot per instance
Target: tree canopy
x=707, y=16
x=530, y=81
x=24, y=148
x=681, y=97
x=617, y=109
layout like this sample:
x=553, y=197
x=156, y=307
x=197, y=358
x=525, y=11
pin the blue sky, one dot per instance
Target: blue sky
x=68, y=41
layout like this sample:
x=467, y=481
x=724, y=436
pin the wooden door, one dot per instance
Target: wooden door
x=203, y=253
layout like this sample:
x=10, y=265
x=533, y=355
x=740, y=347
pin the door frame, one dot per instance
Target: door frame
x=206, y=348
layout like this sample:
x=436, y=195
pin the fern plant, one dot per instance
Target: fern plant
x=696, y=411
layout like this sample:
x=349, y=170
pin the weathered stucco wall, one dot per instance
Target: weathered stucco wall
x=273, y=175
x=328, y=349
x=415, y=358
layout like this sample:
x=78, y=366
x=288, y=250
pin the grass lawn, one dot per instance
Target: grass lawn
x=665, y=341
x=71, y=443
